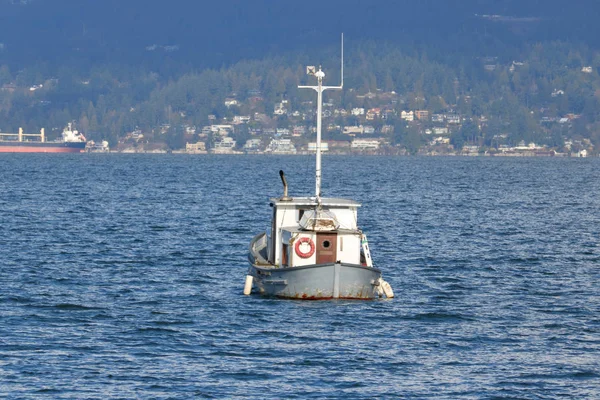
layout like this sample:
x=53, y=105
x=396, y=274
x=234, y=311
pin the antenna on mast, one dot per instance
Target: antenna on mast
x=342, y=73
x=319, y=74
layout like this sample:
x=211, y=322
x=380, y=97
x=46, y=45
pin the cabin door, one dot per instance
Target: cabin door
x=326, y=248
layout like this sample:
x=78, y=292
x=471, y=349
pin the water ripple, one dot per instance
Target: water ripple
x=122, y=277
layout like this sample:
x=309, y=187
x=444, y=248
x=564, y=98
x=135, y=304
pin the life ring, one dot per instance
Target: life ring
x=310, y=243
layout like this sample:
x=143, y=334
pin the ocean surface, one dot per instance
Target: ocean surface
x=121, y=276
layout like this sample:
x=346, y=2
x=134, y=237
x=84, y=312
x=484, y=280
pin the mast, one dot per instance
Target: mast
x=311, y=70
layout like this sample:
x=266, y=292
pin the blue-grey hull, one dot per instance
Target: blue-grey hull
x=317, y=282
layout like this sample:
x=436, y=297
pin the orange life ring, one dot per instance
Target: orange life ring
x=300, y=242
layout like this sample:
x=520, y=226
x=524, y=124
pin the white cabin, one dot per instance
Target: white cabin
x=301, y=235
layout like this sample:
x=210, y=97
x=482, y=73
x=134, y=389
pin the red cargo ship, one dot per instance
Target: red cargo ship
x=72, y=141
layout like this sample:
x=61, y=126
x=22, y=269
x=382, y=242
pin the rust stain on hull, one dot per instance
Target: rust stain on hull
x=305, y=296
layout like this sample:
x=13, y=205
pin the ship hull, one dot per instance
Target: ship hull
x=47, y=147
x=317, y=282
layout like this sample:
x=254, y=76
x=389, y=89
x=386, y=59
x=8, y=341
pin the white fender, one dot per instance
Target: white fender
x=387, y=289
x=248, y=285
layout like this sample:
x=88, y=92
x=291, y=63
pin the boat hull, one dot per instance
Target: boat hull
x=47, y=147
x=317, y=282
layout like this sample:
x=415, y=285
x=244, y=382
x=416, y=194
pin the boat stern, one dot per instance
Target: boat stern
x=318, y=282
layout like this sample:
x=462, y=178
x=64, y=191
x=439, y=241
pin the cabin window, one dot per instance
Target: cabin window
x=326, y=244
x=300, y=214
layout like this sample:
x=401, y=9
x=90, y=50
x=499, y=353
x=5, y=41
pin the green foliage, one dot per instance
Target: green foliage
x=468, y=133
x=407, y=136
x=175, y=138
x=107, y=101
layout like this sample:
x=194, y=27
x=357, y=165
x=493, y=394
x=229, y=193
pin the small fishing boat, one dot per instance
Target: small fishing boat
x=315, y=249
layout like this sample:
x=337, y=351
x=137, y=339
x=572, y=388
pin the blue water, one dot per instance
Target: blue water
x=121, y=276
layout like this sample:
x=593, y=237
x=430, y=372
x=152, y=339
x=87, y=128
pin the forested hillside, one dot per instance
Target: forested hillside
x=508, y=78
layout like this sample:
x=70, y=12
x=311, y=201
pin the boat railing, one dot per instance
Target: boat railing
x=258, y=249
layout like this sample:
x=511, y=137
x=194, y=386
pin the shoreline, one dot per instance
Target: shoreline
x=370, y=154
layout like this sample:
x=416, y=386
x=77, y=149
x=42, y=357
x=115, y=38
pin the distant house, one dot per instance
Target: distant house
x=387, y=129
x=439, y=130
x=279, y=111
x=281, y=146
x=222, y=129
x=568, y=144
x=582, y=153
x=312, y=147
x=225, y=145
x=252, y=145
x=368, y=96
x=136, y=135
x=388, y=113
x=514, y=65
x=255, y=131
x=587, y=70
x=281, y=108
x=453, y=118
x=531, y=146
x=470, y=149
x=373, y=113
x=340, y=144
x=407, y=115
x=547, y=120
x=231, y=102
x=241, y=119
x=440, y=140
x=422, y=114
x=365, y=144
x=298, y=130
x=368, y=129
x=353, y=130
x=195, y=148
x=260, y=117
x=358, y=111
x=437, y=118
